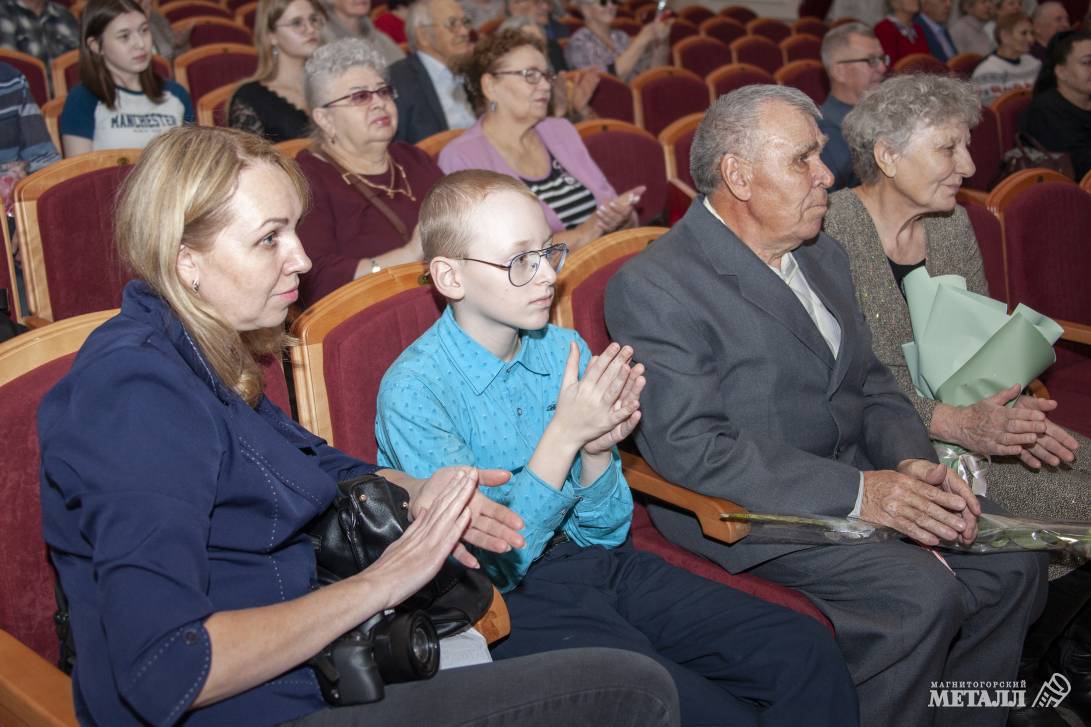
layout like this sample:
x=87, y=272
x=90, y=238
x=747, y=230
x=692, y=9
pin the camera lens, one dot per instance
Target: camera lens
x=406, y=647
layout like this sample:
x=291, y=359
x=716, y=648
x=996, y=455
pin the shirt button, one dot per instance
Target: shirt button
x=190, y=637
x=519, y=412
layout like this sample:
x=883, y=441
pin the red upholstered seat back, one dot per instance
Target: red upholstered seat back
x=1049, y=264
x=804, y=47
x=211, y=72
x=34, y=72
x=985, y=151
x=990, y=241
x=668, y=98
x=724, y=30
x=740, y=13
x=26, y=578
x=208, y=34
x=680, y=30
x=808, y=76
x=1009, y=108
x=758, y=51
x=702, y=55
x=738, y=75
x=771, y=28
x=588, y=303
x=613, y=99
x=276, y=383
x=695, y=14
x=358, y=352
x=83, y=269
x=920, y=63
x=628, y=160
x=182, y=11
x=809, y=24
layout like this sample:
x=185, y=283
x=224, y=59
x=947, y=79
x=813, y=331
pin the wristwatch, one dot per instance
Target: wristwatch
x=375, y=267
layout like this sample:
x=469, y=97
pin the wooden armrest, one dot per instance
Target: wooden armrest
x=496, y=623
x=1076, y=332
x=32, y=691
x=1038, y=389
x=35, y=322
x=707, y=509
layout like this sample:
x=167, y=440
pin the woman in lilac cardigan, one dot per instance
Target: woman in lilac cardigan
x=509, y=80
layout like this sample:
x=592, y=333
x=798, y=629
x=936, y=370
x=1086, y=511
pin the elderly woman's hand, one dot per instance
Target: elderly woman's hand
x=1055, y=445
x=492, y=526
x=620, y=210
x=990, y=427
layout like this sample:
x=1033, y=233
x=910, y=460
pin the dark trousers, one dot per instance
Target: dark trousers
x=561, y=688
x=736, y=660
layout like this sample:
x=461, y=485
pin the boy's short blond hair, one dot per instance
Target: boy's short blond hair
x=446, y=215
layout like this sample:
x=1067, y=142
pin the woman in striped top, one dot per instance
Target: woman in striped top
x=509, y=81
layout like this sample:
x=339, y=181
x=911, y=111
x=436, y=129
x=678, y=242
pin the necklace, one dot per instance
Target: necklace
x=392, y=188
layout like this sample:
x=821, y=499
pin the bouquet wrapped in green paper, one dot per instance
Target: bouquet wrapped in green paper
x=967, y=347
x=995, y=533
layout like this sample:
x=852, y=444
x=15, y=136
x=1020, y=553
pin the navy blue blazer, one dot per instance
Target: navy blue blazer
x=935, y=47
x=166, y=498
x=420, y=113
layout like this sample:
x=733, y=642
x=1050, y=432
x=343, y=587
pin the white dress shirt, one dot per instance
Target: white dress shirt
x=450, y=92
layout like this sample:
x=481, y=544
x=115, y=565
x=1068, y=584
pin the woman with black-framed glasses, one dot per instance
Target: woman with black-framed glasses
x=510, y=84
x=596, y=44
x=366, y=188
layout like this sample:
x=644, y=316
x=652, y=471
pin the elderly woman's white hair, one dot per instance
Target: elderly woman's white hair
x=899, y=108
x=332, y=60
x=730, y=126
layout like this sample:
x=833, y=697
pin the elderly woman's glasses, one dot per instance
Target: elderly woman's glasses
x=363, y=97
x=872, y=61
x=524, y=266
x=300, y=24
x=604, y=3
x=533, y=76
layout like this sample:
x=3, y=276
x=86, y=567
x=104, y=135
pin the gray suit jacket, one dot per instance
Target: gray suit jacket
x=744, y=399
x=420, y=113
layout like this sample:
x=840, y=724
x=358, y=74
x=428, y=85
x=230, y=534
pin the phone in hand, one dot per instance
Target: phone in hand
x=660, y=8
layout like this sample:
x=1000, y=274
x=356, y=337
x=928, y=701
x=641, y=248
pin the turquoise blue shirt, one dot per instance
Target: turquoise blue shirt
x=449, y=401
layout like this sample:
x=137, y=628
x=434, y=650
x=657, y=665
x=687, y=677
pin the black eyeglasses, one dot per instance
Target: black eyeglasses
x=300, y=24
x=363, y=97
x=533, y=76
x=872, y=61
x=604, y=3
x=524, y=266
x=452, y=23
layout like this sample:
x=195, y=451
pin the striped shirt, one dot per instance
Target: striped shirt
x=24, y=140
x=564, y=194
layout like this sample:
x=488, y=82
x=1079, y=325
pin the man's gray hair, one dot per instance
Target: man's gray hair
x=330, y=61
x=731, y=126
x=1042, y=7
x=837, y=38
x=899, y=108
x=517, y=22
x=420, y=15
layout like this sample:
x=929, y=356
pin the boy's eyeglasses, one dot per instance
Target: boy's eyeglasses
x=300, y=24
x=363, y=97
x=524, y=266
x=533, y=76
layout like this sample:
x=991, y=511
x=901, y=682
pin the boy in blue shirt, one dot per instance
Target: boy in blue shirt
x=492, y=384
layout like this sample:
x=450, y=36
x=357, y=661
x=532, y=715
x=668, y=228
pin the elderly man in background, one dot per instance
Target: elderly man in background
x=854, y=62
x=933, y=21
x=763, y=389
x=1047, y=20
x=431, y=98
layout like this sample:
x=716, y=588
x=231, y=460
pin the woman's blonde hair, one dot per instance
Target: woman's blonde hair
x=179, y=193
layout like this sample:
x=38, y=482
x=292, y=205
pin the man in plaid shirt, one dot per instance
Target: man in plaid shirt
x=41, y=28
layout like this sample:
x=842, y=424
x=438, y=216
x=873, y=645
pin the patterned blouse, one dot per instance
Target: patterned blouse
x=585, y=49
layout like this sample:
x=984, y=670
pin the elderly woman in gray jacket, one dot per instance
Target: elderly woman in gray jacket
x=909, y=140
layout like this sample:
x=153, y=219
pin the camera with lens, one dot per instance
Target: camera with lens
x=389, y=648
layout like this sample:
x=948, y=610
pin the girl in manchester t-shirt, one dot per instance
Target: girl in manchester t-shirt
x=120, y=101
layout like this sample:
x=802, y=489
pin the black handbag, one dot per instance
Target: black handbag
x=368, y=514
x=1029, y=153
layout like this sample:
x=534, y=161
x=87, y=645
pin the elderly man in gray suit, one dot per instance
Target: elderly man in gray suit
x=763, y=389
